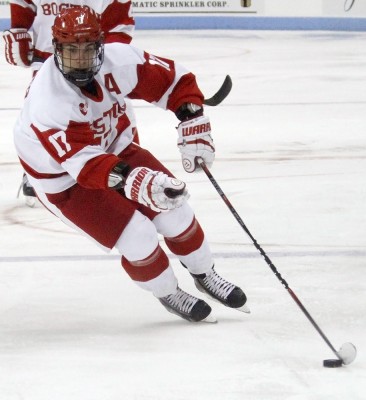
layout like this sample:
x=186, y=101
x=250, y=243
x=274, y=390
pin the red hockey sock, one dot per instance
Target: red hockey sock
x=148, y=268
x=188, y=241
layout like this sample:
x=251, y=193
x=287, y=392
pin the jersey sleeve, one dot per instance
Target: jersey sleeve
x=77, y=150
x=165, y=83
x=22, y=13
x=117, y=22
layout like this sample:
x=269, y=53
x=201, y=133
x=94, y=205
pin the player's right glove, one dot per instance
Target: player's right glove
x=18, y=47
x=195, y=141
x=155, y=189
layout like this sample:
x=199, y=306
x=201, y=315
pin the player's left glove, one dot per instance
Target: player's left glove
x=195, y=141
x=155, y=189
x=18, y=47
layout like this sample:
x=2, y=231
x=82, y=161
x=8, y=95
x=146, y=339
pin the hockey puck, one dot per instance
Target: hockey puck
x=332, y=363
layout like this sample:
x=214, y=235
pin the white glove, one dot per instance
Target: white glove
x=195, y=141
x=18, y=47
x=155, y=189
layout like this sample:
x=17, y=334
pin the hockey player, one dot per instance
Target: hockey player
x=74, y=141
x=38, y=16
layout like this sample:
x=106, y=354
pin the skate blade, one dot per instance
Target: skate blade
x=210, y=319
x=245, y=309
x=30, y=201
x=347, y=353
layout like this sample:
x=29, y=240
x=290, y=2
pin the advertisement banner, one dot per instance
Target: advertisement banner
x=269, y=8
x=199, y=7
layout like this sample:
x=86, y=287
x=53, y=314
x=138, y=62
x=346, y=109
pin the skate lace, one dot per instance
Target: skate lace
x=181, y=301
x=218, y=285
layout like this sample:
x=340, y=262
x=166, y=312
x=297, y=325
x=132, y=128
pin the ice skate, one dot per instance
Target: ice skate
x=221, y=290
x=28, y=192
x=187, y=306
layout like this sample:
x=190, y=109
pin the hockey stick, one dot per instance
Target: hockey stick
x=221, y=94
x=347, y=352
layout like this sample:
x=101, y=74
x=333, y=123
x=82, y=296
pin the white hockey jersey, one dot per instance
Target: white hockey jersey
x=38, y=15
x=66, y=135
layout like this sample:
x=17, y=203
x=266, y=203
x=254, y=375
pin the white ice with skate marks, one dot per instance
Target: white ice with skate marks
x=291, y=156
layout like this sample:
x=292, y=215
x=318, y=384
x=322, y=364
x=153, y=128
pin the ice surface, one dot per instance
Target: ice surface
x=291, y=157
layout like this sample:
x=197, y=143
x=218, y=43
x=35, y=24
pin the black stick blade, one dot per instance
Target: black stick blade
x=347, y=353
x=221, y=94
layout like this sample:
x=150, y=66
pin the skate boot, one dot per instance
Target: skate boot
x=221, y=290
x=187, y=306
x=28, y=192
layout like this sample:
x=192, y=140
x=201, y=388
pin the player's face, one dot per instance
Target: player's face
x=78, y=56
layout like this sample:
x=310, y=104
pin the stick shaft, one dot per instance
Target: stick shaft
x=265, y=256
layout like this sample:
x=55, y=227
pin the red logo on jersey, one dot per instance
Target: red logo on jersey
x=83, y=108
x=104, y=125
x=54, y=9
